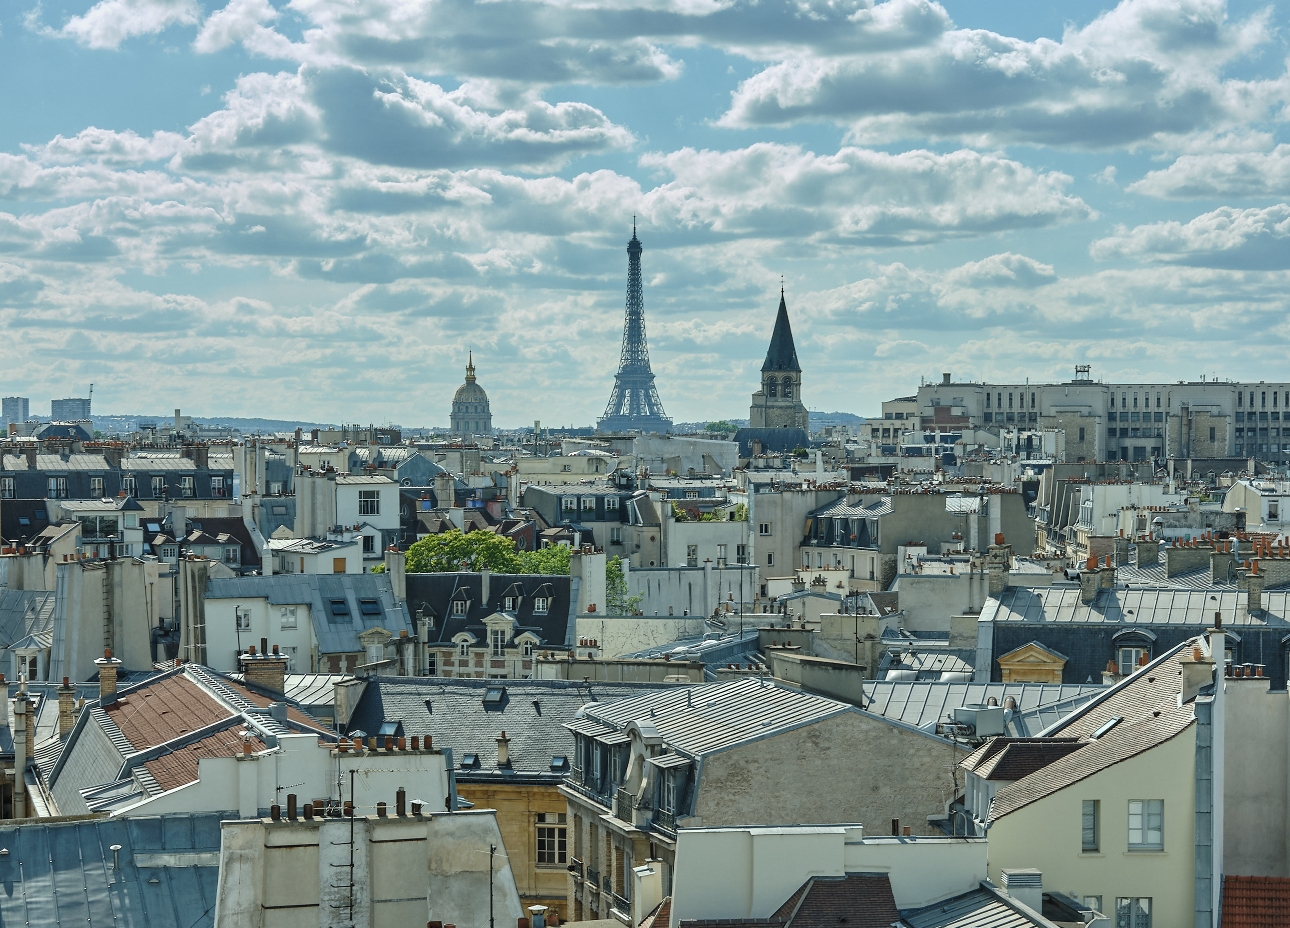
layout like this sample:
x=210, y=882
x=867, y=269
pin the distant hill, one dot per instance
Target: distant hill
x=821, y=419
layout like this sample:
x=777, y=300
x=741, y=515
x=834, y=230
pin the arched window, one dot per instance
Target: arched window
x=788, y=388
x=772, y=387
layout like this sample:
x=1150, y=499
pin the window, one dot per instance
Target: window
x=339, y=607
x=691, y=555
x=588, y=504
x=1212, y=431
x=1133, y=912
x=369, y=544
x=568, y=504
x=1081, y=434
x=186, y=486
x=463, y=649
x=552, y=839
x=508, y=604
x=217, y=486
x=242, y=618
x=527, y=649
x=497, y=637
x=611, y=504
x=128, y=485
x=6, y=488
x=763, y=528
x=772, y=388
x=96, y=487
x=788, y=388
x=369, y=607
x=1146, y=824
x=369, y=502
x=691, y=494
x=459, y=607
x=287, y=616
x=233, y=555
x=741, y=554
x=432, y=665
x=1274, y=511
x=721, y=555
x=615, y=536
x=158, y=487
x=770, y=559
x=1128, y=659
x=57, y=488
x=540, y=604
x=1089, y=829
x=338, y=565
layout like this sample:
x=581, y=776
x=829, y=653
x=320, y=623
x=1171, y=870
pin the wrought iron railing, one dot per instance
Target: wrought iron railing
x=593, y=877
x=607, y=884
x=622, y=905
x=665, y=819
x=626, y=803
x=575, y=867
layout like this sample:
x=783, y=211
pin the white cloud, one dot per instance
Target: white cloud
x=1146, y=72
x=1222, y=174
x=237, y=22
x=1005, y=270
x=110, y=22
x=1245, y=239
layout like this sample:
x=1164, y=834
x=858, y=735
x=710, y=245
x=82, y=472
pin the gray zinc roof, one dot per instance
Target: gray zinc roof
x=55, y=462
x=704, y=720
x=335, y=635
x=63, y=873
x=924, y=703
x=1158, y=606
x=24, y=613
x=985, y=907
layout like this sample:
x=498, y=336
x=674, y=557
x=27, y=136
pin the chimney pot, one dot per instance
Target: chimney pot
x=291, y=806
x=380, y=810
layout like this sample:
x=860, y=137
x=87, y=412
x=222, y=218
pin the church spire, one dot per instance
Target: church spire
x=782, y=355
x=470, y=367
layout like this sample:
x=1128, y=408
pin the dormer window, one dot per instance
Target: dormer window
x=509, y=604
x=528, y=649
x=459, y=607
x=540, y=604
x=497, y=637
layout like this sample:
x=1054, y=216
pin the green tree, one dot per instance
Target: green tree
x=618, y=602
x=720, y=426
x=553, y=559
x=472, y=551
x=740, y=513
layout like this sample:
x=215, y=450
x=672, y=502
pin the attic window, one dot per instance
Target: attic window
x=40, y=514
x=1106, y=726
x=339, y=607
x=493, y=695
x=509, y=604
x=23, y=520
x=154, y=527
x=470, y=760
x=559, y=763
x=369, y=607
x=540, y=605
x=458, y=607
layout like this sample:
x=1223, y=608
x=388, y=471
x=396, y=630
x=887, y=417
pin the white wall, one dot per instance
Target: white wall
x=222, y=641
x=347, y=505
x=750, y=872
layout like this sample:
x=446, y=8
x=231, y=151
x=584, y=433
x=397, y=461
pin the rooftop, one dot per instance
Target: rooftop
x=1156, y=606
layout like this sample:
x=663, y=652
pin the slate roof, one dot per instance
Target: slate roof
x=841, y=509
x=335, y=634
x=717, y=716
x=223, y=531
x=1255, y=901
x=924, y=703
x=62, y=873
x=984, y=907
x=434, y=594
x=533, y=714
x=25, y=613
x=1158, y=606
x=1014, y=758
x=22, y=519
x=782, y=354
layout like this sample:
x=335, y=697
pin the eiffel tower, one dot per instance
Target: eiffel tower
x=634, y=405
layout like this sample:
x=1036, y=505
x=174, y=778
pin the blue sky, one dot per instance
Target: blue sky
x=315, y=208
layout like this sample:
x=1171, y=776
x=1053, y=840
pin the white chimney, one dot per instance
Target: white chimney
x=1026, y=886
x=647, y=889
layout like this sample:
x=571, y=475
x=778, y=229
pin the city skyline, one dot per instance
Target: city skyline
x=252, y=206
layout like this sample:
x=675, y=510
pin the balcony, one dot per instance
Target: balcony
x=664, y=819
x=575, y=867
x=625, y=805
x=622, y=905
x=593, y=877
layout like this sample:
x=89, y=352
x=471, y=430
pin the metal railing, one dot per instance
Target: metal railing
x=626, y=804
x=607, y=884
x=622, y=905
x=575, y=867
x=665, y=819
x=593, y=877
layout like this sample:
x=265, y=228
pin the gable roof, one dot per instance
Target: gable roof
x=782, y=354
x=434, y=593
x=983, y=907
x=861, y=900
x=1255, y=901
x=1014, y=758
x=717, y=716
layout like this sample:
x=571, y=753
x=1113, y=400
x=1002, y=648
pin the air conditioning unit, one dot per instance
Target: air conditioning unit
x=985, y=721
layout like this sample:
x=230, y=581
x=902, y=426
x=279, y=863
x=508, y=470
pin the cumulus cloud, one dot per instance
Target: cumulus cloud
x=856, y=196
x=1222, y=174
x=238, y=22
x=1146, y=71
x=1005, y=270
x=1245, y=239
x=110, y=22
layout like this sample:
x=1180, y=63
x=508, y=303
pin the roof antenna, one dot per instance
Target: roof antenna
x=633, y=225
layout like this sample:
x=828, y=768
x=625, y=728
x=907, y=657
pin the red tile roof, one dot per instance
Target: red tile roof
x=180, y=766
x=294, y=714
x=862, y=900
x=1256, y=902
x=159, y=712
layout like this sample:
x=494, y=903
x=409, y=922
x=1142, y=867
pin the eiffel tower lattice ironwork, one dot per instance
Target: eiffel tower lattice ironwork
x=634, y=405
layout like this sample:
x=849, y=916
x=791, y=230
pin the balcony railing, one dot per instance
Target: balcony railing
x=622, y=905
x=575, y=867
x=665, y=819
x=626, y=804
x=607, y=884
x=593, y=877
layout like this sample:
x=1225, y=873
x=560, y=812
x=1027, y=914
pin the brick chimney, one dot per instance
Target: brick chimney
x=265, y=672
x=66, y=708
x=108, y=666
x=1088, y=581
x=1107, y=575
x=998, y=562
x=1197, y=671
x=1253, y=581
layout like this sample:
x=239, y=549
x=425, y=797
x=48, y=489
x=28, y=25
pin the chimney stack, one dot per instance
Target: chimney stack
x=503, y=750
x=1197, y=672
x=1026, y=886
x=108, y=667
x=1088, y=581
x=265, y=672
x=66, y=709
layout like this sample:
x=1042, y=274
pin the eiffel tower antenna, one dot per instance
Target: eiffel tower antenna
x=634, y=404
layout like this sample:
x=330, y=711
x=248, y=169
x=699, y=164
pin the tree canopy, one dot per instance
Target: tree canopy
x=451, y=551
